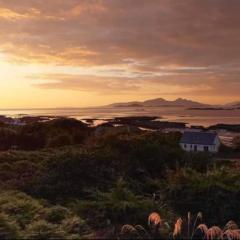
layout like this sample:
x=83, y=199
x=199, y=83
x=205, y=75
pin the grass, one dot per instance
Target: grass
x=160, y=229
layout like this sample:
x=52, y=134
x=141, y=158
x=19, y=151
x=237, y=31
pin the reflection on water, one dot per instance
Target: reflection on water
x=192, y=117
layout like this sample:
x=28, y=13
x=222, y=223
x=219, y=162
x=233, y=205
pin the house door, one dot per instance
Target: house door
x=206, y=149
x=195, y=148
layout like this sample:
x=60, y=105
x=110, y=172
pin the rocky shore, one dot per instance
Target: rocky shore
x=142, y=122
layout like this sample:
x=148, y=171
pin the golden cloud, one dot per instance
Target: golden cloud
x=186, y=43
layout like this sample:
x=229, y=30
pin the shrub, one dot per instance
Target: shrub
x=57, y=214
x=214, y=193
x=20, y=207
x=75, y=225
x=8, y=228
x=34, y=219
x=60, y=140
x=43, y=230
x=236, y=143
x=8, y=138
x=200, y=162
x=68, y=175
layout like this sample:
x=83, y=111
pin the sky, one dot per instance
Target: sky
x=80, y=53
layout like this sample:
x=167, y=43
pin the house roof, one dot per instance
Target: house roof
x=203, y=138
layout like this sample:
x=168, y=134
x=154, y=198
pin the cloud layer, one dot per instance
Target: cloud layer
x=186, y=44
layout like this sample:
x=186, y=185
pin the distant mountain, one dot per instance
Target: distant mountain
x=160, y=102
x=234, y=104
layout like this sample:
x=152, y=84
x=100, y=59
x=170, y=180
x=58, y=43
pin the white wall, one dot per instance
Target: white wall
x=200, y=148
x=218, y=143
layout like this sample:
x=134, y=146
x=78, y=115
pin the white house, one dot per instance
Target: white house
x=200, y=142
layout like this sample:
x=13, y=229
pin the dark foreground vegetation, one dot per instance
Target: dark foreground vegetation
x=61, y=179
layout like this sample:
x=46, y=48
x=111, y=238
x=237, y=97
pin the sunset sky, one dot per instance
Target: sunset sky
x=78, y=53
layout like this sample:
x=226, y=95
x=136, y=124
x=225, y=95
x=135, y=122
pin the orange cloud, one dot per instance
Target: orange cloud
x=179, y=44
x=87, y=8
x=9, y=14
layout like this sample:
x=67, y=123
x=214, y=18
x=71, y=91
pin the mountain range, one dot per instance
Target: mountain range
x=160, y=102
x=179, y=102
x=234, y=104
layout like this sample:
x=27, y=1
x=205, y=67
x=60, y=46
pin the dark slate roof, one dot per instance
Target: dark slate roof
x=203, y=138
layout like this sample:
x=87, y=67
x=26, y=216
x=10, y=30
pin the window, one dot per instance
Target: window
x=206, y=148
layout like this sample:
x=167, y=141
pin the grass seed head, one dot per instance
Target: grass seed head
x=178, y=228
x=128, y=229
x=199, y=216
x=231, y=234
x=154, y=219
x=214, y=233
x=231, y=225
x=203, y=228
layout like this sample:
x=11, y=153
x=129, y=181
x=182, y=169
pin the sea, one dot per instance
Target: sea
x=192, y=117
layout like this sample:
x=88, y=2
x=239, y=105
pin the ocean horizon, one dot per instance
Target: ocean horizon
x=174, y=114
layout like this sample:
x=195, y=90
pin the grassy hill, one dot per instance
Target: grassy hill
x=91, y=185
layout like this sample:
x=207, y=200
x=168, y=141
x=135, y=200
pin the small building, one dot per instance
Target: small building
x=200, y=142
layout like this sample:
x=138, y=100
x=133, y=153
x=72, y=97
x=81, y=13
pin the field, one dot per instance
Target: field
x=61, y=179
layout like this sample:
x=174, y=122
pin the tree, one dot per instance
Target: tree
x=236, y=143
x=8, y=138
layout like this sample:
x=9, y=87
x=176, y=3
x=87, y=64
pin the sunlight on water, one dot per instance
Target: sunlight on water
x=196, y=117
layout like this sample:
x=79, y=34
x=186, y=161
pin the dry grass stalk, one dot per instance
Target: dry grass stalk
x=154, y=219
x=198, y=218
x=231, y=234
x=231, y=225
x=203, y=228
x=231, y=230
x=142, y=232
x=189, y=222
x=128, y=229
x=214, y=233
x=178, y=228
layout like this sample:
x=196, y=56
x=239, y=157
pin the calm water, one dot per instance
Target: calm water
x=192, y=117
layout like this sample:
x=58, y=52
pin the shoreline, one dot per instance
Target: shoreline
x=226, y=132
x=146, y=121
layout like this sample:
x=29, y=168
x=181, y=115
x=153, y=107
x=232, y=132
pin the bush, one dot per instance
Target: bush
x=69, y=175
x=8, y=138
x=8, y=228
x=34, y=219
x=60, y=140
x=43, y=230
x=118, y=206
x=236, y=143
x=20, y=207
x=75, y=225
x=57, y=214
x=200, y=162
x=214, y=193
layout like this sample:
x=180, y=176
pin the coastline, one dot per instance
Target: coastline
x=226, y=132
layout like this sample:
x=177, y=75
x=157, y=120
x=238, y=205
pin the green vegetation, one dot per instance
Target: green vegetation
x=22, y=217
x=190, y=228
x=236, y=143
x=63, y=181
x=38, y=135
